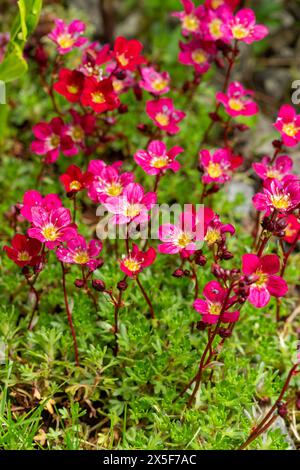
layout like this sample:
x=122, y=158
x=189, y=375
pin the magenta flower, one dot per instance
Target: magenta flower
x=236, y=102
x=79, y=252
x=137, y=260
x=155, y=82
x=283, y=196
x=214, y=230
x=243, y=27
x=266, y=283
x=197, y=53
x=219, y=165
x=164, y=115
x=288, y=124
x=108, y=181
x=132, y=205
x=52, y=227
x=157, y=159
x=67, y=37
x=292, y=229
x=52, y=138
x=182, y=237
x=213, y=306
x=190, y=18
x=278, y=170
x=215, y=26
x=215, y=4
x=82, y=126
x=33, y=198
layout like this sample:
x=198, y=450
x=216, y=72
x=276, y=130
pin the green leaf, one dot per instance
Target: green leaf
x=13, y=66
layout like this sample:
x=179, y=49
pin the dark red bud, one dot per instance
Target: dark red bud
x=122, y=285
x=123, y=108
x=178, y=273
x=98, y=285
x=79, y=283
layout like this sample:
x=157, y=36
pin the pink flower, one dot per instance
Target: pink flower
x=219, y=165
x=190, y=18
x=52, y=227
x=157, y=158
x=281, y=168
x=288, y=124
x=67, y=37
x=292, y=229
x=213, y=306
x=82, y=126
x=24, y=251
x=132, y=205
x=214, y=229
x=197, y=53
x=182, y=237
x=33, y=198
x=137, y=260
x=164, y=115
x=236, y=101
x=282, y=196
x=155, y=82
x=79, y=252
x=215, y=4
x=52, y=138
x=108, y=181
x=243, y=27
x=93, y=59
x=266, y=283
x=215, y=26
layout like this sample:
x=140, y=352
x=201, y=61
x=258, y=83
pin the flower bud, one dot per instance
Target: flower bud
x=224, y=332
x=178, y=273
x=201, y=325
x=79, y=283
x=217, y=271
x=120, y=74
x=200, y=259
x=277, y=144
x=123, y=108
x=122, y=285
x=226, y=255
x=187, y=272
x=98, y=285
x=214, y=117
x=282, y=409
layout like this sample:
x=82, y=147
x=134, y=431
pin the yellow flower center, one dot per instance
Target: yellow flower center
x=214, y=170
x=239, y=32
x=75, y=185
x=215, y=29
x=114, y=189
x=159, y=162
x=65, y=41
x=118, y=85
x=98, y=97
x=123, y=60
x=215, y=309
x=212, y=236
x=190, y=22
x=50, y=232
x=24, y=256
x=73, y=89
x=54, y=141
x=281, y=201
x=132, y=210
x=183, y=240
x=236, y=104
x=162, y=119
x=290, y=129
x=132, y=264
x=262, y=278
x=216, y=4
x=290, y=231
x=159, y=84
x=77, y=134
x=81, y=257
x=199, y=56
x=273, y=174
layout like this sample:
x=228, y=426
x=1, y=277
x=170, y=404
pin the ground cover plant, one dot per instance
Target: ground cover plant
x=125, y=326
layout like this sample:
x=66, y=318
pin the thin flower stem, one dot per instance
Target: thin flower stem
x=69, y=314
x=117, y=305
x=74, y=207
x=265, y=424
x=146, y=298
x=88, y=290
x=36, y=302
x=195, y=278
x=156, y=183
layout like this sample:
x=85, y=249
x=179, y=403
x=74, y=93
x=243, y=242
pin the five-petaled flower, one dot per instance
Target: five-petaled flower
x=215, y=307
x=99, y=95
x=52, y=227
x=190, y=18
x=292, y=230
x=243, y=27
x=236, y=101
x=288, y=124
x=214, y=230
x=78, y=251
x=164, y=115
x=157, y=159
x=282, y=196
x=265, y=282
x=67, y=37
x=198, y=53
x=157, y=83
x=137, y=260
x=278, y=170
x=24, y=251
x=127, y=53
x=74, y=180
x=108, y=180
x=132, y=205
x=33, y=198
x=218, y=166
x=69, y=84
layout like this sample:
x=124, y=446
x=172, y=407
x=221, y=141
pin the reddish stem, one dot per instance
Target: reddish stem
x=69, y=314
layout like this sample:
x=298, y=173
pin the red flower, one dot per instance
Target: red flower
x=24, y=250
x=74, y=180
x=99, y=95
x=292, y=229
x=127, y=53
x=70, y=84
x=137, y=260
